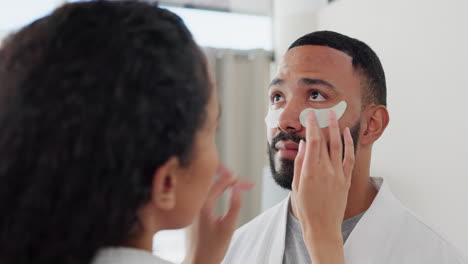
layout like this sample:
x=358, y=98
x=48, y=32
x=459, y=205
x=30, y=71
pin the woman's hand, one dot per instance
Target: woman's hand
x=322, y=179
x=210, y=235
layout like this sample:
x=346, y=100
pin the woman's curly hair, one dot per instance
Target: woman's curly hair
x=93, y=98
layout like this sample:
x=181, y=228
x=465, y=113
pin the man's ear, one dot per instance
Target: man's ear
x=164, y=186
x=376, y=122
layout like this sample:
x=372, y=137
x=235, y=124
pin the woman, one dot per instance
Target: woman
x=108, y=121
x=108, y=118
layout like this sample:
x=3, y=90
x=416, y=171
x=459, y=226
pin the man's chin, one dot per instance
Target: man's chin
x=282, y=169
x=283, y=176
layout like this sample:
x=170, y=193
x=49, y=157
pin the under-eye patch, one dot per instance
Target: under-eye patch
x=273, y=116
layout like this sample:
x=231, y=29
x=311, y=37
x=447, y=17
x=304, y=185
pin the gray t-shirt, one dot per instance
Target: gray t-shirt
x=295, y=251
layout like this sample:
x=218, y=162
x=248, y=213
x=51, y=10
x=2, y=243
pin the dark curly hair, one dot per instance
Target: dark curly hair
x=365, y=61
x=93, y=98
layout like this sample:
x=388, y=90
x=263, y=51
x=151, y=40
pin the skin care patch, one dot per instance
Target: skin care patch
x=322, y=114
x=272, y=117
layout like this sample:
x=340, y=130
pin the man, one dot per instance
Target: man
x=319, y=71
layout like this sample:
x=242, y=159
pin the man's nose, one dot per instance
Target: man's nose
x=289, y=121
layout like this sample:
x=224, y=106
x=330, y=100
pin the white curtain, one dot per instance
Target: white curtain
x=242, y=79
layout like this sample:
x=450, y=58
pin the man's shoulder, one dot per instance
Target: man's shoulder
x=389, y=230
x=392, y=231
x=424, y=239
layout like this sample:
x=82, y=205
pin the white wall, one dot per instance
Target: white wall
x=258, y=7
x=16, y=14
x=292, y=19
x=423, y=46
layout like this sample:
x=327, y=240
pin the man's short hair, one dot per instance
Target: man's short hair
x=365, y=61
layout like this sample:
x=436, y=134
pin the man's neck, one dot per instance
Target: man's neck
x=360, y=197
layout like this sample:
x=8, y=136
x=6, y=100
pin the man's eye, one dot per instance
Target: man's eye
x=276, y=98
x=317, y=96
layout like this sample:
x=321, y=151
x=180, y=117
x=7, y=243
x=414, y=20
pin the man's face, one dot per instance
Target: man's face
x=309, y=77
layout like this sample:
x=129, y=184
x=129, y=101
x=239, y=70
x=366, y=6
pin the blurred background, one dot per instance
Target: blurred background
x=423, y=46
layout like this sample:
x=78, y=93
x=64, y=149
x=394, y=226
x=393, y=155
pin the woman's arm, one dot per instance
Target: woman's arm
x=209, y=235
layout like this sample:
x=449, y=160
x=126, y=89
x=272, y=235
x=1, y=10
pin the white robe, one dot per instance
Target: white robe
x=387, y=233
x=124, y=255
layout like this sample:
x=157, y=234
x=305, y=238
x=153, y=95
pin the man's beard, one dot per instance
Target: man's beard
x=284, y=176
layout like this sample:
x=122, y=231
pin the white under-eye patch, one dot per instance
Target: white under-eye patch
x=272, y=117
x=322, y=114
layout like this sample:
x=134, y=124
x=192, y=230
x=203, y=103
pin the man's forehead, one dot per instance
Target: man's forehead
x=318, y=65
x=312, y=57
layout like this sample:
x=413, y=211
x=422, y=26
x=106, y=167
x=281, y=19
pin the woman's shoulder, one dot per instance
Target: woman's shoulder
x=124, y=255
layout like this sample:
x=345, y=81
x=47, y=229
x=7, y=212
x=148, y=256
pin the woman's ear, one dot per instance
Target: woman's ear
x=376, y=122
x=163, y=194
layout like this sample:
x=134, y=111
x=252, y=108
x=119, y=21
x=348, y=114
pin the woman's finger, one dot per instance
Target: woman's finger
x=224, y=181
x=230, y=219
x=336, y=146
x=348, y=161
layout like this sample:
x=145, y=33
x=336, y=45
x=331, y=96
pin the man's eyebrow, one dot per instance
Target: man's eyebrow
x=276, y=82
x=305, y=81
x=309, y=81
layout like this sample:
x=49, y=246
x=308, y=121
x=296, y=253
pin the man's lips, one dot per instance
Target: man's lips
x=287, y=149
